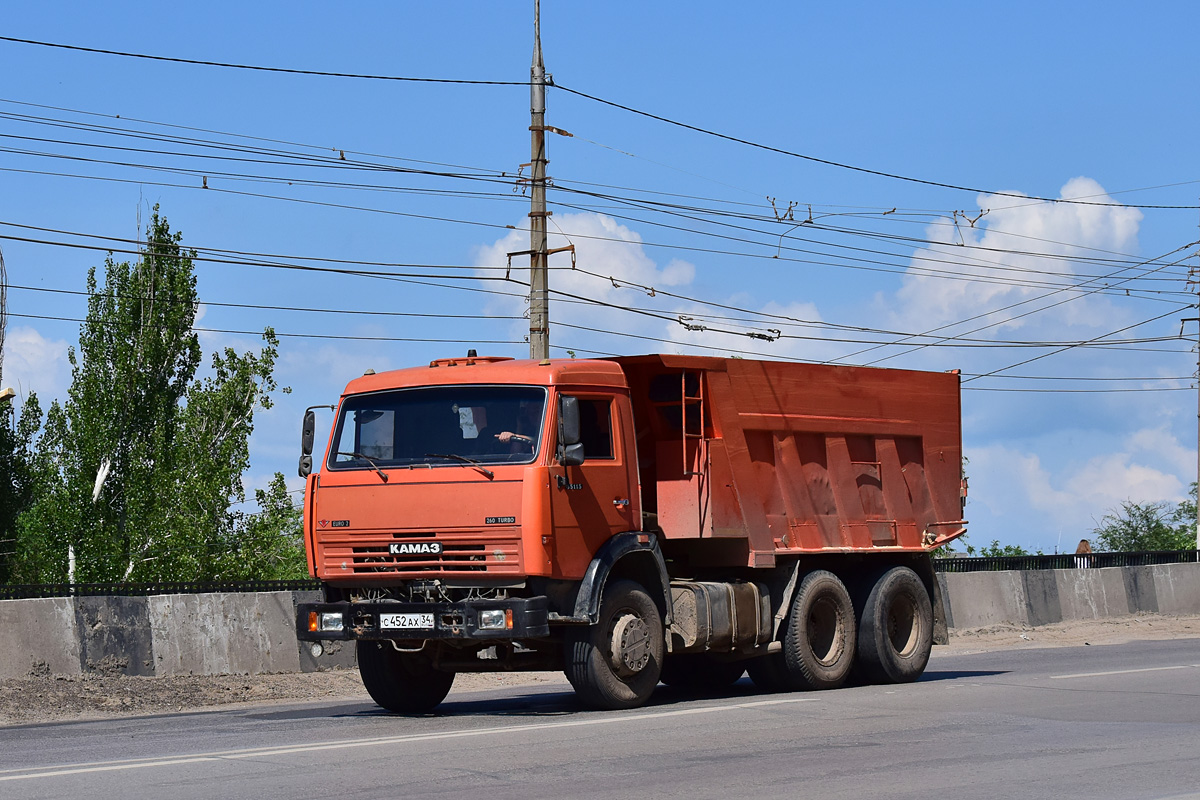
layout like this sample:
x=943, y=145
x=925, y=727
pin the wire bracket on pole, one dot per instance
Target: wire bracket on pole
x=552, y=129
x=508, y=269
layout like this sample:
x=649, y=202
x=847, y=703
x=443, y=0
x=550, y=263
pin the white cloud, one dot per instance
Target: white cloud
x=329, y=366
x=33, y=363
x=994, y=247
x=1018, y=499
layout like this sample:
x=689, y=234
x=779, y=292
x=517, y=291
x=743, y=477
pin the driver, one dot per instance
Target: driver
x=529, y=417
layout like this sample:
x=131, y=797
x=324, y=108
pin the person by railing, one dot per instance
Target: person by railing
x=1083, y=554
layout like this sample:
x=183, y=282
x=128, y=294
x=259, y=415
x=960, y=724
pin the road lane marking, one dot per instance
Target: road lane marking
x=1122, y=672
x=28, y=773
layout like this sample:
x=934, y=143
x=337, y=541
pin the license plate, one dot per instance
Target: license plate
x=406, y=621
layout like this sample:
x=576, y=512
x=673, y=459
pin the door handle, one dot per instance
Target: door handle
x=620, y=503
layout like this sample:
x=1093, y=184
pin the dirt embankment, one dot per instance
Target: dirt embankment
x=42, y=697
x=1117, y=630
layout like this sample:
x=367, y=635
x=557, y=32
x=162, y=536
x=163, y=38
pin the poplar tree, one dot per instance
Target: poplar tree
x=141, y=465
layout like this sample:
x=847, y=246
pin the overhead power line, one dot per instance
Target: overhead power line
x=259, y=68
x=500, y=177
x=283, y=334
x=861, y=264
x=1093, y=340
x=259, y=307
x=842, y=165
x=1079, y=391
x=596, y=99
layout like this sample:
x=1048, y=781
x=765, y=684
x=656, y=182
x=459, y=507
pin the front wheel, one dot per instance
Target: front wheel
x=405, y=683
x=616, y=663
x=895, y=635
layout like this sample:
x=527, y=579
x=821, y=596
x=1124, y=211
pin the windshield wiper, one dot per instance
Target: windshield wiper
x=367, y=459
x=456, y=457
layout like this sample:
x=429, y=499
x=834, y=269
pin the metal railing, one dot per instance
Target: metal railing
x=20, y=592
x=1065, y=561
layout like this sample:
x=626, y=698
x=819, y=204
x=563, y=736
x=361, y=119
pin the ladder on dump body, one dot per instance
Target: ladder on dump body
x=698, y=402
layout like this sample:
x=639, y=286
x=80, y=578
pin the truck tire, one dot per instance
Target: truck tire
x=895, y=634
x=700, y=672
x=819, y=644
x=405, y=683
x=616, y=663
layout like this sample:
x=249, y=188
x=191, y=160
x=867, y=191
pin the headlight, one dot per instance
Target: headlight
x=332, y=621
x=495, y=619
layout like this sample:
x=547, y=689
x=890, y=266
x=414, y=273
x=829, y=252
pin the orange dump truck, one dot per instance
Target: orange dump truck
x=633, y=520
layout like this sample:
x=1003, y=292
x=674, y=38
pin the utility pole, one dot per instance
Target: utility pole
x=1194, y=280
x=539, y=290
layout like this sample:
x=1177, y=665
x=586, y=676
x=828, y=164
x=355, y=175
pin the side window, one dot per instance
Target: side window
x=595, y=428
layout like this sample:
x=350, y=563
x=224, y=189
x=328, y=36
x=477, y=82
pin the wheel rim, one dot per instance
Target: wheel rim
x=903, y=626
x=629, y=645
x=826, y=635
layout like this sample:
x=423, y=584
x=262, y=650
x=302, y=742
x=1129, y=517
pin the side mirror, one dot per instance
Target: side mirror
x=568, y=420
x=571, y=455
x=570, y=449
x=307, y=432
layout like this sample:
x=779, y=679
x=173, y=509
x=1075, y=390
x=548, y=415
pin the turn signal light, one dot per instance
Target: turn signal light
x=325, y=622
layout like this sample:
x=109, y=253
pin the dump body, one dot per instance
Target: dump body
x=792, y=459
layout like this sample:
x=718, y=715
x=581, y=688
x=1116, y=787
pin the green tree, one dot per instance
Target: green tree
x=267, y=545
x=143, y=461
x=1183, y=518
x=21, y=476
x=993, y=550
x=997, y=550
x=1147, y=526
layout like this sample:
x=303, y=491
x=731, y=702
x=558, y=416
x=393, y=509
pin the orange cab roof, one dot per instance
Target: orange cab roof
x=484, y=369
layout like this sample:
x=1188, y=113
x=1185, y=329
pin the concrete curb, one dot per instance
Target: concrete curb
x=216, y=634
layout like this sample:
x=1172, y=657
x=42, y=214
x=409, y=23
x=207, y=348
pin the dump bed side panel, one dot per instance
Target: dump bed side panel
x=798, y=458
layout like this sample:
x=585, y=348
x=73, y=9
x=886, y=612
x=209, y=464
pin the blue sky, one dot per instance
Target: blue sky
x=1091, y=101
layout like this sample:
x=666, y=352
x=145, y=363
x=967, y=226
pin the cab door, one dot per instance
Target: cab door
x=598, y=498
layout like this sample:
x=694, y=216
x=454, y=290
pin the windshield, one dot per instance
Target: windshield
x=439, y=425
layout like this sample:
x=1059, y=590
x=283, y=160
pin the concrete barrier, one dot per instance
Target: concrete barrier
x=212, y=634
x=226, y=633
x=1177, y=587
x=1041, y=597
x=39, y=636
x=114, y=635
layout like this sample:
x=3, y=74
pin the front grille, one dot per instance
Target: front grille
x=455, y=557
x=462, y=553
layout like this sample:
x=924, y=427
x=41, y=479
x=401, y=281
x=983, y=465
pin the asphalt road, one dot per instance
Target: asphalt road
x=1120, y=721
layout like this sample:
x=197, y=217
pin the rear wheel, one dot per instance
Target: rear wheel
x=700, y=672
x=819, y=645
x=895, y=635
x=405, y=683
x=617, y=662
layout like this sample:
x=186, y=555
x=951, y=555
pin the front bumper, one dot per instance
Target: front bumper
x=529, y=620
